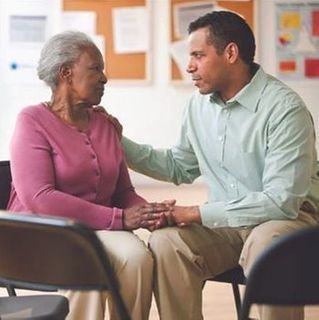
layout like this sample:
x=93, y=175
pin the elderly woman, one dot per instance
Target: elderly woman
x=67, y=161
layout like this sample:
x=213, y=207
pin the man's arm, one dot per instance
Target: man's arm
x=178, y=164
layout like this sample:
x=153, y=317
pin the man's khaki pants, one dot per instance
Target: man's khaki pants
x=186, y=257
x=133, y=266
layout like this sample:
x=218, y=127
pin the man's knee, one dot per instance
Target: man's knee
x=261, y=237
x=161, y=242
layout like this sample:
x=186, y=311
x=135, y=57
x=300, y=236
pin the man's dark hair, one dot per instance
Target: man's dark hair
x=225, y=27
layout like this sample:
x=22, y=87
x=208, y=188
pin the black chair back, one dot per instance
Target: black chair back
x=45, y=253
x=5, y=183
x=286, y=273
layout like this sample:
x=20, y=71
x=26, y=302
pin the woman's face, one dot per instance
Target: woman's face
x=87, y=78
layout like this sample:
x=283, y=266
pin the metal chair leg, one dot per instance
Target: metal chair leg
x=11, y=291
x=237, y=299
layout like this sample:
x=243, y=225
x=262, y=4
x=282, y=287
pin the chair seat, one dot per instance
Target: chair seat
x=35, y=307
x=235, y=275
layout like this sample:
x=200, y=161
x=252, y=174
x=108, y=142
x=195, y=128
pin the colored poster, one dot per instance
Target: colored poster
x=297, y=40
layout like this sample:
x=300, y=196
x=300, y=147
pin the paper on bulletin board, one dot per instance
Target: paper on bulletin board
x=84, y=21
x=185, y=13
x=26, y=37
x=25, y=26
x=130, y=29
x=297, y=40
x=179, y=52
x=99, y=40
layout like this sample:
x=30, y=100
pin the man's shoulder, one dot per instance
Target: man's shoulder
x=280, y=95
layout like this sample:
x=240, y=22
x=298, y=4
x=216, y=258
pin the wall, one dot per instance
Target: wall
x=149, y=113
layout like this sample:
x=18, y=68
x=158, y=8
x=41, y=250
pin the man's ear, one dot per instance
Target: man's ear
x=65, y=73
x=232, y=52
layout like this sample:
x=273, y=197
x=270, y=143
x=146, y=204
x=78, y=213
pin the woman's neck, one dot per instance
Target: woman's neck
x=74, y=115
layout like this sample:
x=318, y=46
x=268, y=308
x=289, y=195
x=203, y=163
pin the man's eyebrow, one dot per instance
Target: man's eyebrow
x=196, y=52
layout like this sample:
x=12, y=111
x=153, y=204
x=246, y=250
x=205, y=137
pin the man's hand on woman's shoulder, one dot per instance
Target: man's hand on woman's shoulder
x=115, y=122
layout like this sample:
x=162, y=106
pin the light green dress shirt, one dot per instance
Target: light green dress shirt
x=256, y=152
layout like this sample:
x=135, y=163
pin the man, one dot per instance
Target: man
x=252, y=139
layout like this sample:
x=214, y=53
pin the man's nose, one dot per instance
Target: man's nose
x=190, y=67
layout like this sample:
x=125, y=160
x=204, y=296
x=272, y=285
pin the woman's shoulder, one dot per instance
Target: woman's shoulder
x=100, y=115
x=103, y=121
x=34, y=110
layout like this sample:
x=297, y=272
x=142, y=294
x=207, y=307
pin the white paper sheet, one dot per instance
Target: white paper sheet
x=179, y=52
x=28, y=28
x=187, y=12
x=84, y=21
x=99, y=40
x=25, y=26
x=130, y=30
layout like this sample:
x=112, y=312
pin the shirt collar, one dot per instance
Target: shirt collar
x=250, y=94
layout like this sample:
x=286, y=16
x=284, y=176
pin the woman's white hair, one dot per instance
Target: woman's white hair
x=62, y=49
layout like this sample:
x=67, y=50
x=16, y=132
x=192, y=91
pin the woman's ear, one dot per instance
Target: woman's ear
x=65, y=73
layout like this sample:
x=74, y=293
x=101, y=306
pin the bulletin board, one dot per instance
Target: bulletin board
x=131, y=67
x=244, y=8
x=297, y=40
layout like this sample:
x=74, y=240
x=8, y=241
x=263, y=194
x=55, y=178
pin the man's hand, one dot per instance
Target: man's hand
x=183, y=216
x=115, y=122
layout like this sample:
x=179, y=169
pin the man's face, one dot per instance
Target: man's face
x=208, y=69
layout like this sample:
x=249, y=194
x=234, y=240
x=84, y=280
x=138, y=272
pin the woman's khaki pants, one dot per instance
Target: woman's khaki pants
x=186, y=257
x=133, y=266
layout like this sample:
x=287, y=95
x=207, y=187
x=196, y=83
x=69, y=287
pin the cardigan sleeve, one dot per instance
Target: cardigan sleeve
x=125, y=195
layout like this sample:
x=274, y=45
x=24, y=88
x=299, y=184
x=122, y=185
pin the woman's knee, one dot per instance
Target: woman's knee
x=126, y=249
x=138, y=257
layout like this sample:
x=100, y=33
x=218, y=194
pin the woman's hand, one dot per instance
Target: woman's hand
x=149, y=215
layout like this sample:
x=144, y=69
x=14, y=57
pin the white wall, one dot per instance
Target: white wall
x=149, y=113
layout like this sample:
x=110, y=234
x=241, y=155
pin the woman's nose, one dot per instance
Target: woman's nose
x=104, y=79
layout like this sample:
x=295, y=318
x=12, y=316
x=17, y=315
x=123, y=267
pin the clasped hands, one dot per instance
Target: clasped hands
x=156, y=215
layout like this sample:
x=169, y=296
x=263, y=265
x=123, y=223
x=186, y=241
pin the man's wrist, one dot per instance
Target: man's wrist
x=194, y=215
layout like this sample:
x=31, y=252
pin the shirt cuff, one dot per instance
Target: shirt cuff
x=214, y=215
x=117, y=221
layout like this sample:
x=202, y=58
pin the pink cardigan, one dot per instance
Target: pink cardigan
x=62, y=171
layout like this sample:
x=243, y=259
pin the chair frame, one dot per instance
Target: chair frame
x=286, y=273
x=235, y=277
x=5, y=183
x=57, y=254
